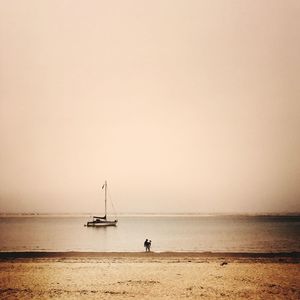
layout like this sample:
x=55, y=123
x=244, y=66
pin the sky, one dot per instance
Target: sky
x=182, y=106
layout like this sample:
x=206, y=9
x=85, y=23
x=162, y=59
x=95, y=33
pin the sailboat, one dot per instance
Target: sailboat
x=102, y=221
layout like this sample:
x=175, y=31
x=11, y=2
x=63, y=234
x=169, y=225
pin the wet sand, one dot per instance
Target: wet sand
x=78, y=275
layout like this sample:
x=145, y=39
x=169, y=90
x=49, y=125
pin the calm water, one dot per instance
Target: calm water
x=218, y=233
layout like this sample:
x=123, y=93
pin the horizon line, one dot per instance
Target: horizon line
x=154, y=214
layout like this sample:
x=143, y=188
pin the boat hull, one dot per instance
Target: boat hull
x=102, y=224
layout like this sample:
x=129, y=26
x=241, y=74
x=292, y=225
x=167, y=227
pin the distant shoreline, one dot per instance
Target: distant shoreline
x=87, y=215
x=76, y=254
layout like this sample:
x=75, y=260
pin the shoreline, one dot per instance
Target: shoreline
x=167, y=254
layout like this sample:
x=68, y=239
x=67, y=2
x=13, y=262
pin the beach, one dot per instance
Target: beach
x=168, y=275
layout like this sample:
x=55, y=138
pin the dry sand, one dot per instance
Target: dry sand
x=149, y=276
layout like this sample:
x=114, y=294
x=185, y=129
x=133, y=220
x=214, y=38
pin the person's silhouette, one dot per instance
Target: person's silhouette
x=149, y=245
x=146, y=245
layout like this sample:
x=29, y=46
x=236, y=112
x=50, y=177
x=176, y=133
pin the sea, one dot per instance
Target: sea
x=184, y=233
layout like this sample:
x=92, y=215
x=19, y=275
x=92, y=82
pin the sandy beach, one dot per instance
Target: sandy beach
x=149, y=276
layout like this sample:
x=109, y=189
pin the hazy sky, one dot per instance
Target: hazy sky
x=183, y=106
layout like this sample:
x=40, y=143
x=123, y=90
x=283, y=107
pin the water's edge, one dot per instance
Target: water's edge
x=76, y=254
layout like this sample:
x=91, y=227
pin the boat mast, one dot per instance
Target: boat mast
x=105, y=197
